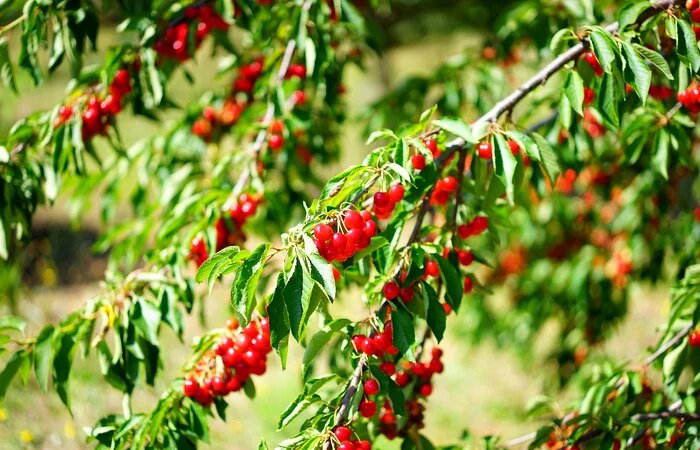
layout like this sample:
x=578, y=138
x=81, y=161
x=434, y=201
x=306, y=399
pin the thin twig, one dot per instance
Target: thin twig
x=682, y=333
x=341, y=416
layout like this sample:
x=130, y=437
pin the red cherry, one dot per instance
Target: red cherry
x=418, y=161
x=339, y=241
x=391, y=290
x=480, y=224
x=388, y=368
x=357, y=341
x=466, y=257
x=425, y=390
x=368, y=408
x=396, y=193
x=276, y=142
x=369, y=229
x=190, y=388
x=363, y=445
x=432, y=146
x=447, y=308
x=514, y=147
x=407, y=294
x=371, y=387
x=299, y=97
x=432, y=269
x=402, y=379
x=65, y=112
x=485, y=150
x=381, y=200
x=343, y=433
x=347, y=445
x=368, y=346
x=468, y=285
x=449, y=184
x=336, y=274
x=694, y=338
x=353, y=220
x=323, y=232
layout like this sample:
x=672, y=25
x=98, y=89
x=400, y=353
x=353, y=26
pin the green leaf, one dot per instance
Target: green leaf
x=437, y=319
x=403, y=332
x=547, y=156
x=608, y=100
x=12, y=323
x=246, y=281
x=319, y=341
x=279, y=320
x=458, y=128
x=573, y=88
x=661, y=144
x=43, y=356
x=454, y=286
x=298, y=406
x=205, y=270
x=146, y=318
x=630, y=13
x=655, y=59
x=335, y=184
x=687, y=47
x=505, y=165
x=321, y=270
x=10, y=370
x=604, y=47
x=381, y=135
x=297, y=292
x=641, y=80
x=7, y=73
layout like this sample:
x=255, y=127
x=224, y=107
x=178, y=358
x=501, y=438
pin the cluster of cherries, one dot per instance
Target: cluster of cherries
x=100, y=111
x=690, y=98
x=392, y=290
x=341, y=245
x=174, y=43
x=213, y=120
x=443, y=189
x=229, y=230
x=242, y=352
x=345, y=442
x=379, y=344
x=385, y=202
x=474, y=227
x=694, y=8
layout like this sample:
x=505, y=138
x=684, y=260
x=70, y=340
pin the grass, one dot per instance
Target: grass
x=484, y=389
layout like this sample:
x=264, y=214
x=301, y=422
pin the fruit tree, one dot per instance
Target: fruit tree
x=529, y=182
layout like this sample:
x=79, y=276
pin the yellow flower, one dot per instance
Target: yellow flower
x=26, y=436
x=69, y=430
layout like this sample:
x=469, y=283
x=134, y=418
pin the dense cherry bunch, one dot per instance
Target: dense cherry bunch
x=475, y=227
x=385, y=202
x=240, y=353
x=352, y=234
x=443, y=189
x=376, y=344
x=345, y=442
x=99, y=111
x=694, y=8
x=393, y=290
x=229, y=228
x=690, y=98
x=212, y=120
x=175, y=43
x=592, y=61
x=417, y=378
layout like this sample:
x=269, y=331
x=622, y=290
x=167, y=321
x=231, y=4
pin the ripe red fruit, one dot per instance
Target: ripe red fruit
x=353, y=220
x=347, y=445
x=396, y=193
x=323, y=232
x=425, y=390
x=343, y=433
x=447, y=308
x=468, y=285
x=480, y=224
x=368, y=408
x=371, y=387
x=276, y=142
x=466, y=257
x=368, y=347
x=432, y=146
x=391, y=290
x=449, y=184
x=357, y=341
x=363, y=445
x=418, y=161
x=299, y=97
x=514, y=147
x=691, y=4
x=694, y=338
x=369, y=228
x=190, y=388
x=695, y=15
x=65, y=112
x=485, y=150
x=381, y=200
x=388, y=368
x=432, y=269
